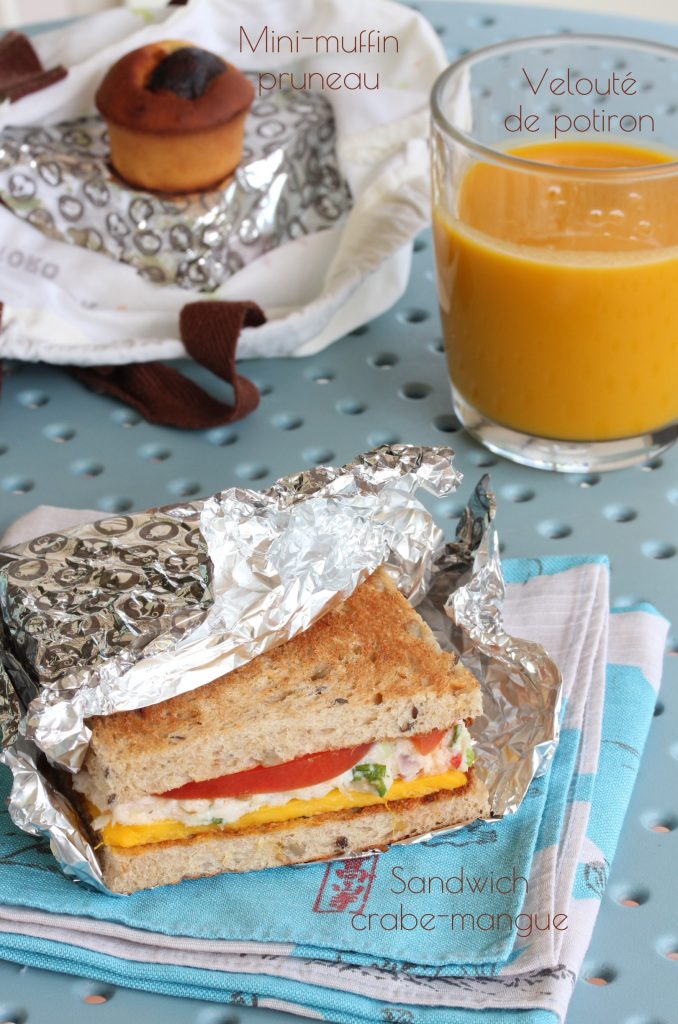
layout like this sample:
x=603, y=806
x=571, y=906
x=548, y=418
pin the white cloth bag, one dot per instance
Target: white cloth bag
x=64, y=304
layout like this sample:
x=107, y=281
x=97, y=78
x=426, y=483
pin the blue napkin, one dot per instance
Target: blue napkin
x=336, y=940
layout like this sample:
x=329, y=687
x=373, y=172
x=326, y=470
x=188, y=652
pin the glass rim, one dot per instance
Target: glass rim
x=496, y=155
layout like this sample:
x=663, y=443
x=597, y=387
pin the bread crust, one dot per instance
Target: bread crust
x=325, y=836
x=368, y=670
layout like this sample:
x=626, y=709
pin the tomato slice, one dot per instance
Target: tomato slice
x=297, y=774
x=428, y=741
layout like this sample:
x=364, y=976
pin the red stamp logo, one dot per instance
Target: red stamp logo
x=345, y=886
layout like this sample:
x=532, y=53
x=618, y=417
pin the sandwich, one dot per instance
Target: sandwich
x=349, y=737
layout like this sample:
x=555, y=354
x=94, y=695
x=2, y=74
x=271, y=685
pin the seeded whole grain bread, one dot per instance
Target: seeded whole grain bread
x=338, y=834
x=368, y=670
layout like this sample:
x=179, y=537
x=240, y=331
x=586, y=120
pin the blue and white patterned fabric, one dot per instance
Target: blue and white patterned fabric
x=366, y=940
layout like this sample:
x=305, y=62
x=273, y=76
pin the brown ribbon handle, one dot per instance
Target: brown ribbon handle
x=209, y=331
x=21, y=71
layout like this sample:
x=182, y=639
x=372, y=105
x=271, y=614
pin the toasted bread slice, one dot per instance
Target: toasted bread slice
x=344, y=834
x=368, y=670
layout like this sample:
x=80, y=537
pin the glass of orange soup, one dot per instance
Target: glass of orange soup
x=555, y=220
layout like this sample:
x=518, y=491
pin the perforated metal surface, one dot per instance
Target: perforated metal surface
x=386, y=382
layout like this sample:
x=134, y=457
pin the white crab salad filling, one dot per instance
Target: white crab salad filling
x=376, y=771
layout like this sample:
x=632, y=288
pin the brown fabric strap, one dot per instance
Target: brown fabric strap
x=17, y=58
x=21, y=71
x=209, y=331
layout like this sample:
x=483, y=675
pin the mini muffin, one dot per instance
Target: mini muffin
x=176, y=116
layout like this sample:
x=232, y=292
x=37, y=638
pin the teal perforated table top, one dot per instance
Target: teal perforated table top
x=386, y=382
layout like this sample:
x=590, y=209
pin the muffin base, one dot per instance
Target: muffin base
x=177, y=163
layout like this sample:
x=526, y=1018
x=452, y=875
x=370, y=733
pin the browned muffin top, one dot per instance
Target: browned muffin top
x=172, y=87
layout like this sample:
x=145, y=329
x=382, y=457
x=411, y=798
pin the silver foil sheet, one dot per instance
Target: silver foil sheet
x=10, y=710
x=58, y=178
x=216, y=583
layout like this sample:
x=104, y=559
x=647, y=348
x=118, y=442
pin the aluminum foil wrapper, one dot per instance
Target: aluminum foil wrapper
x=10, y=711
x=288, y=183
x=145, y=607
x=39, y=808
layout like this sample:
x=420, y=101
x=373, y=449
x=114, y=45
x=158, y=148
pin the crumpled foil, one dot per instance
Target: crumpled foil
x=39, y=808
x=216, y=583
x=10, y=711
x=517, y=735
x=288, y=184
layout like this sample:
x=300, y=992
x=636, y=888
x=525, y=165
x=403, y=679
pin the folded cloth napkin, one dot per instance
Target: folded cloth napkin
x=89, y=310
x=524, y=892
x=209, y=330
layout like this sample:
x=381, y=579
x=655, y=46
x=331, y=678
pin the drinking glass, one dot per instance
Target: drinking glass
x=555, y=219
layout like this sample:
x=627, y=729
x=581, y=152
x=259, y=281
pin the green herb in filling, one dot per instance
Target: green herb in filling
x=372, y=773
